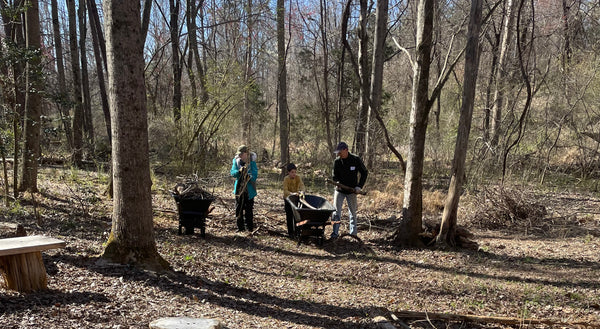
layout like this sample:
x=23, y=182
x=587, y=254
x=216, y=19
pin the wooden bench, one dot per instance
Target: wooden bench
x=21, y=262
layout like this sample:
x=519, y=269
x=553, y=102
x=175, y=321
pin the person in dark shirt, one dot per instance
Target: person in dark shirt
x=346, y=170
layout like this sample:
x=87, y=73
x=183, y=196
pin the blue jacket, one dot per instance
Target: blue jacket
x=253, y=172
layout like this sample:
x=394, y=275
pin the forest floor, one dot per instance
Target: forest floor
x=544, y=269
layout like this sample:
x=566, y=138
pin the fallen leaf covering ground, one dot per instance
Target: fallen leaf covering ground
x=535, y=268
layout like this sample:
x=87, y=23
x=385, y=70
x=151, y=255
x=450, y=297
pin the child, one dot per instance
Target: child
x=292, y=184
x=245, y=170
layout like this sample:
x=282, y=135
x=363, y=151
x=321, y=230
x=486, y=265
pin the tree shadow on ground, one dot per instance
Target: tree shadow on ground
x=47, y=298
x=245, y=300
x=505, y=262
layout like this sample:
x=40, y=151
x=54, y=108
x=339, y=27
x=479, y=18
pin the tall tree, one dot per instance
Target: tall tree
x=131, y=240
x=63, y=95
x=85, y=81
x=324, y=24
x=13, y=22
x=146, y=19
x=449, y=217
x=97, y=38
x=194, y=11
x=174, y=6
x=363, y=78
x=33, y=103
x=376, y=88
x=247, y=114
x=502, y=73
x=77, y=156
x=282, y=104
x=411, y=223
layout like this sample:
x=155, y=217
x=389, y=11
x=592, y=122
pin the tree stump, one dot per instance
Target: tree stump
x=24, y=272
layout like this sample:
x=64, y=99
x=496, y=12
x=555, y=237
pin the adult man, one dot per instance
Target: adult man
x=346, y=169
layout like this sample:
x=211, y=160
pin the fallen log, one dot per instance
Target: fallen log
x=488, y=319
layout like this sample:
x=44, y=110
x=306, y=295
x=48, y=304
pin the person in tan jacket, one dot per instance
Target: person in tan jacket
x=292, y=184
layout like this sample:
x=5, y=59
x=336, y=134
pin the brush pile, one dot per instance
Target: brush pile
x=190, y=189
x=506, y=208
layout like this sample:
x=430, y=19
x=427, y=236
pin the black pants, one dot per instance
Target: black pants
x=289, y=218
x=244, y=209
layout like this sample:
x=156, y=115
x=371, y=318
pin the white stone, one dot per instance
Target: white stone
x=185, y=323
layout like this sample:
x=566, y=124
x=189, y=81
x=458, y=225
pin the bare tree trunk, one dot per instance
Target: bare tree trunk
x=567, y=51
x=339, y=114
x=411, y=222
x=495, y=43
x=14, y=31
x=33, y=107
x=363, y=68
x=175, y=63
x=377, y=68
x=449, y=220
x=192, y=30
x=85, y=81
x=284, y=128
x=95, y=21
x=146, y=19
x=131, y=240
x=248, y=110
x=77, y=100
x=8, y=98
x=499, y=96
x=63, y=95
x=324, y=44
x=96, y=36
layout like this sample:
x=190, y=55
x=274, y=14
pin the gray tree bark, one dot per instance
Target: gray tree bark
x=325, y=99
x=63, y=95
x=499, y=95
x=411, y=222
x=175, y=63
x=131, y=240
x=88, y=125
x=284, y=128
x=77, y=156
x=377, y=69
x=16, y=95
x=364, y=77
x=449, y=218
x=194, y=11
x=248, y=110
x=100, y=64
x=33, y=103
x=146, y=19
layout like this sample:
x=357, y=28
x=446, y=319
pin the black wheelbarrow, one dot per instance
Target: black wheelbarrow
x=311, y=214
x=192, y=212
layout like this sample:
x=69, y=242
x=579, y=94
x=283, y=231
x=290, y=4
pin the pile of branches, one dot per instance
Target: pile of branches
x=190, y=189
x=506, y=208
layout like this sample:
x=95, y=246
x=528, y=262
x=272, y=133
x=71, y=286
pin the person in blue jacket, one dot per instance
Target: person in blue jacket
x=245, y=170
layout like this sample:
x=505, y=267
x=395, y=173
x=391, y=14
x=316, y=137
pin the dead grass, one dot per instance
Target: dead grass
x=391, y=196
x=267, y=281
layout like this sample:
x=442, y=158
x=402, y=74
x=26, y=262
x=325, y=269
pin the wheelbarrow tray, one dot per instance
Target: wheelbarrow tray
x=192, y=213
x=311, y=220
